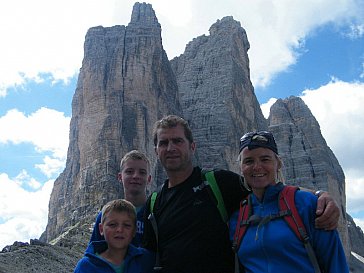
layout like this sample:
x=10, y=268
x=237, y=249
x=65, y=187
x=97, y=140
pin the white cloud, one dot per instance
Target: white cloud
x=23, y=214
x=355, y=191
x=277, y=30
x=24, y=203
x=356, y=31
x=23, y=179
x=46, y=129
x=181, y=14
x=51, y=166
x=338, y=107
x=266, y=106
x=47, y=36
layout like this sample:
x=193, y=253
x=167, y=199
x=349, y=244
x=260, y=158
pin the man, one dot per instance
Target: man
x=192, y=238
x=135, y=176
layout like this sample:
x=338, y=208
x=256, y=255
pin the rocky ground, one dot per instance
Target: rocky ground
x=62, y=254
x=50, y=258
x=40, y=259
x=59, y=256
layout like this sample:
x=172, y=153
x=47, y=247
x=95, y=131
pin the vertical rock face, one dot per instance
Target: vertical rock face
x=308, y=161
x=216, y=92
x=124, y=86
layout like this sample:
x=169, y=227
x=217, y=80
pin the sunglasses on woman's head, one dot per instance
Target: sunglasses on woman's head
x=258, y=139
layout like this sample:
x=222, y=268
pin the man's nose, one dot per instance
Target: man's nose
x=170, y=146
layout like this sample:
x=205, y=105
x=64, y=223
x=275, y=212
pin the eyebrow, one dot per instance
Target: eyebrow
x=262, y=156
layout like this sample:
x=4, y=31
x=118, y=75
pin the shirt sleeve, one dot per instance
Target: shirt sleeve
x=232, y=189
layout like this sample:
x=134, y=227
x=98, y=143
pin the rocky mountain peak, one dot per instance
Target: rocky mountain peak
x=144, y=15
x=228, y=25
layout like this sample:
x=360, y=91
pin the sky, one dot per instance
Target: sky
x=313, y=49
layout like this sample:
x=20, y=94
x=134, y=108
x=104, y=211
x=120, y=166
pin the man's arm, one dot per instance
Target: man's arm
x=327, y=211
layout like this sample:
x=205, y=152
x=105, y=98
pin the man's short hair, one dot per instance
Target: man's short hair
x=171, y=121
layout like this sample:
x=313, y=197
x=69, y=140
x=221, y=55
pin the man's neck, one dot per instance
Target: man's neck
x=177, y=177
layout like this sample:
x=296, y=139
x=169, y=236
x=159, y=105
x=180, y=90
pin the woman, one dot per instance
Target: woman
x=271, y=246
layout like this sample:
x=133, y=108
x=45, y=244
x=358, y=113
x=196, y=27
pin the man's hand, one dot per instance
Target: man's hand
x=327, y=212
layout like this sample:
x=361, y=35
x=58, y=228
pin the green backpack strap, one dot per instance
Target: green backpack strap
x=153, y=222
x=152, y=201
x=210, y=178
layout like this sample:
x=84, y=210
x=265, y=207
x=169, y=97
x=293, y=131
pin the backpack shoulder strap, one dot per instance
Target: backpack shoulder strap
x=210, y=178
x=242, y=223
x=154, y=224
x=293, y=219
x=153, y=197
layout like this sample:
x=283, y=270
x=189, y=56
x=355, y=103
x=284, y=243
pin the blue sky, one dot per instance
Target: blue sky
x=312, y=49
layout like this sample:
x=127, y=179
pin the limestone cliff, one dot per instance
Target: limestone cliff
x=125, y=85
x=216, y=93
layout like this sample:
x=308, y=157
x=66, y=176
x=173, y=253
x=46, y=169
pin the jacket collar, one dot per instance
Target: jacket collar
x=271, y=193
x=101, y=246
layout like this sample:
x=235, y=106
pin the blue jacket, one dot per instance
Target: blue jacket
x=137, y=240
x=274, y=247
x=137, y=260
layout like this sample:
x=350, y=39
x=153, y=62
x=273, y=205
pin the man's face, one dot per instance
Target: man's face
x=173, y=149
x=135, y=175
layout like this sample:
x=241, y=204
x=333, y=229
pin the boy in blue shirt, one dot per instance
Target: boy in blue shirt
x=116, y=253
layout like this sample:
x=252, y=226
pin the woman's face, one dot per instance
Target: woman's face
x=259, y=167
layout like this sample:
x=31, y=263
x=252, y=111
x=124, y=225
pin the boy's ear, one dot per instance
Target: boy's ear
x=101, y=228
x=119, y=176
